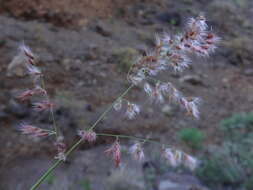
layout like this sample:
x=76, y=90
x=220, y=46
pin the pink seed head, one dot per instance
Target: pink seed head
x=42, y=106
x=27, y=52
x=61, y=149
x=26, y=95
x=190, y=162
x=115, y=152
x=88, y=135
x=34, y=131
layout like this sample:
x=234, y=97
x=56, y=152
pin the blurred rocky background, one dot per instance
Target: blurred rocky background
x=85, y=48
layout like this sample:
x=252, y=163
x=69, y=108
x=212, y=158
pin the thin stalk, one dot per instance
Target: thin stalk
x=131, y=137
x=57, y=163
x=51, y=169
x=111, y=106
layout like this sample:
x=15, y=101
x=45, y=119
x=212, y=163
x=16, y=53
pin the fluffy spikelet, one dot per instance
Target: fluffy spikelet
x=169, y=156
x=61, y=149
x=29, y=93
x=132, y=110
x=88, y=135
x=115, y=152
x=137, y=152
x=190, y=162
x=32, y=70
x=33, y=131
x=42, y=106
x=27, y=53
x=177, y=158
x=173, y=52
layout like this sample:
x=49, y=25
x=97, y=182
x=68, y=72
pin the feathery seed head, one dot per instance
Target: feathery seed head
x=115, y=152
x=88, y=135
x=132, y=110
x=137, y=152
x=42, y=106
x=170, y=157
x=190, y=162
x=33, y=131
x=61, y=149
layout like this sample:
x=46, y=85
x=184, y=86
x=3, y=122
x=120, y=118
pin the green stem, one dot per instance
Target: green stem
x=58, y=162
x=131, y=137
x=51, y=169
x=110, y=107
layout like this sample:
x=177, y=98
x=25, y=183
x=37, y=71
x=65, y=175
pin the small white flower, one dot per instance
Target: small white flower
x=148, y=89
x=118, y=105
x=132, y=110
x=193, y=105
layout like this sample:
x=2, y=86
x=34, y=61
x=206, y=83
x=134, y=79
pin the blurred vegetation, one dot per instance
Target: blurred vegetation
x=231, y=163
x=192, y=137
x=86, y=184
x=124, y=58
x=50, y=179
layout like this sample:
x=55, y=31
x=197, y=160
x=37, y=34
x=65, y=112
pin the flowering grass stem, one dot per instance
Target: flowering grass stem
x=169, y=52
x=58, y=162
x=73, y=147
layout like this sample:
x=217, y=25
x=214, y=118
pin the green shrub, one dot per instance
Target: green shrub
x=220, y=169
x=124, y=58
x=192, y=137
x=232, y=162
x=237, y=121
x=86, y=185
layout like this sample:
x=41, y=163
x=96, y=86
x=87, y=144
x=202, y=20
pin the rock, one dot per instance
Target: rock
x=124, y=179
x=103, y=29
x=168, y=110
x=227, y=16
x=174, y=181
x=248, y=72
x=173, y=18
x=168, y=185
x=3, y=114
x=239, y=50
x=192, y=79
x=89, y=107
x=16, y=109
